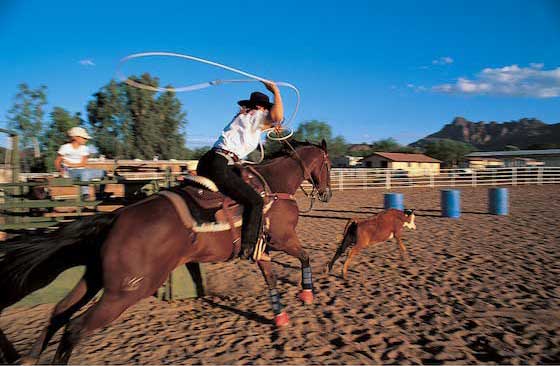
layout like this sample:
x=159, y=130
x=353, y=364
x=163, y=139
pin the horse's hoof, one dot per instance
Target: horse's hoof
x=26, y=360
x=306, y=296
x=282, y=319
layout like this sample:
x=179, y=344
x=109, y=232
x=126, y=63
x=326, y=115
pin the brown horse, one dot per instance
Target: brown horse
x=384, y=226
x=129, y=253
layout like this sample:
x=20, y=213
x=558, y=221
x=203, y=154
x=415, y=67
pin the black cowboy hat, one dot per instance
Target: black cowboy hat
x=256, y=98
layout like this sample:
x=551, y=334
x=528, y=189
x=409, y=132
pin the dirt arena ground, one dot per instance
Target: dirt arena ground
x=480, y=289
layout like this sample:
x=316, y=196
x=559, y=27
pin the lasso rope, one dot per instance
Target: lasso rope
x=252, y=78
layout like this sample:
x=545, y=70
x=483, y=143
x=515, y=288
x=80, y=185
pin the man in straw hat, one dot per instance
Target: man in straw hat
x=72, y=159
x=238, y=139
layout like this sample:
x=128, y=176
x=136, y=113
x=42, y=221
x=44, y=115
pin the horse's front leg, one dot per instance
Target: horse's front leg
x=280, y=316
x=293, y=247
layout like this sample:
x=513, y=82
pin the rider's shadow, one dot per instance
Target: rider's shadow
x=247, y=314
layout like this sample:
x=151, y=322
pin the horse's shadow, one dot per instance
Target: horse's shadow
x=345, y=211
x=246, y=314
x=418, y=211
x=285, y=265
x=325, y=217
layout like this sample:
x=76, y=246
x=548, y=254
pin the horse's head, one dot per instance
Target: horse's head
x=321, y=174
x=409, y=219
x=317, y=169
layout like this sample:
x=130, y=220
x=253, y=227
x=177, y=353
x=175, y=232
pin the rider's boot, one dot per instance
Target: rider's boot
x=254, y=250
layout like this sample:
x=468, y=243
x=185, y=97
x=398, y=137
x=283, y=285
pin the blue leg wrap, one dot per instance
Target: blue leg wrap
x=307, y=281
x=275, y=301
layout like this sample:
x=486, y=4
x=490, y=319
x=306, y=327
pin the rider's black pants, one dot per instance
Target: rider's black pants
x=215, y=166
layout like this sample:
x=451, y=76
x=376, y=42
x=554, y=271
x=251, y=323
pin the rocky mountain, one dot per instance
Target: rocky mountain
x=527, y=133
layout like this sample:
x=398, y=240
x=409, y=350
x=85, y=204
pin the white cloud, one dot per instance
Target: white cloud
x=443, y=61
x=416, y=88
x=533, y=81
x=86, y=62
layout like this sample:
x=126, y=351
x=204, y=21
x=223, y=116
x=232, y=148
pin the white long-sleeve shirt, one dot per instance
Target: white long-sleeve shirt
x=242, y=135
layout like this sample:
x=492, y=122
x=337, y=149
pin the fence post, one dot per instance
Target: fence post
x=387, y=179
x=514, y=176
x=340, y=181
x=540, y=175
x=431, y=178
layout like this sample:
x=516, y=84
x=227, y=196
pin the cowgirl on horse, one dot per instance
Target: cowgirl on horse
x=238, y=139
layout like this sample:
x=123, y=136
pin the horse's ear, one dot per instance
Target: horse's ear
x=324, y=145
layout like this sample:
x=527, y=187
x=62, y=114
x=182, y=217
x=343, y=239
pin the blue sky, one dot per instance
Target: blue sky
x=371, y=69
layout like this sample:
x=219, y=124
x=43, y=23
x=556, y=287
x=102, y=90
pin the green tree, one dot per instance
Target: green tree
x=110, y=122
x=386, y=145
x=146, y=121
x=171, y=127
x=337, y=146
x=56, y=134
x=128, y=122
x=450, y=152
x=315, y=131
x=26, y=118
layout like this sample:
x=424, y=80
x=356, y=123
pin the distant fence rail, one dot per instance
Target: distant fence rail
x=374, y=178
x=371, y=178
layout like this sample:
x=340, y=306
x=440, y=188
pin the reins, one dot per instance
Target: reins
x=306, y=175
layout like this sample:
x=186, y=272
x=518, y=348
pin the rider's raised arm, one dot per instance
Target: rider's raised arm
x=276, y=115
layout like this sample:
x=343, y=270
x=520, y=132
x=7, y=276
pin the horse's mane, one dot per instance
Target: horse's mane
x=285, y=151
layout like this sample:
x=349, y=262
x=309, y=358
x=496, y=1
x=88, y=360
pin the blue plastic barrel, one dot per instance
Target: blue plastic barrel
x=498, y=201
x=393, y=200
x=451, y=203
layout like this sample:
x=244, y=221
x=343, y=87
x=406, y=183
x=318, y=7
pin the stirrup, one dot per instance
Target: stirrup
x=259, y=252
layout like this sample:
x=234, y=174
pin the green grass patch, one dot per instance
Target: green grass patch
x=183, y=287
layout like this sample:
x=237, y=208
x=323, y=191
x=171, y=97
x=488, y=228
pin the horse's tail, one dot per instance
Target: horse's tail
x=349, y=238
x=28, y=263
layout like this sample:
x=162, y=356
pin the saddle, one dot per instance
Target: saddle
x=203, y=208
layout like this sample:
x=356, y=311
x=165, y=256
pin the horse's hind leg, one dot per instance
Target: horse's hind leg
x=196, y=275
x=404, y=253
x=339, y=251
x=81, y=294
x=280, y=316
x=8, y=353
x=107, y=309
x=352, y=252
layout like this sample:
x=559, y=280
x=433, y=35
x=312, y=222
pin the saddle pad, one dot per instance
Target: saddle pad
x=189, y=222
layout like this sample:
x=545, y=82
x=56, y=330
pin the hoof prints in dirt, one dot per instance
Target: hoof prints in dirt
x=481, y=289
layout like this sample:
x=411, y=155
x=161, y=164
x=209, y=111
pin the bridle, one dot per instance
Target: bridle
x=307, y=176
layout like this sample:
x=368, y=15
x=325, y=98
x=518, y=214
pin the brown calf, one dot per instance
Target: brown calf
x=384, y=226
